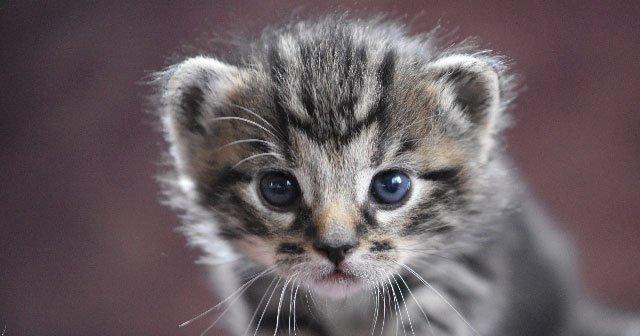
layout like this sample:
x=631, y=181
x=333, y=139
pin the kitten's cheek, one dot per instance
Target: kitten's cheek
x=401, y=257
x=255, y=249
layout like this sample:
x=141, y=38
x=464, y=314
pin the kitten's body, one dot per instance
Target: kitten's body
x=332, y=105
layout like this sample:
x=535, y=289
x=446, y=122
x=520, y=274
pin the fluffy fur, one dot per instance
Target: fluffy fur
x=333, y=102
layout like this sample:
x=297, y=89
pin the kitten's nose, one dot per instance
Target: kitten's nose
x=336, y=254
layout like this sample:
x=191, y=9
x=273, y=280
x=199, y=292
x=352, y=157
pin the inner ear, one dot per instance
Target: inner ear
x=192, y=93
x=191, y=90
x=473, y=84
x=190, y=109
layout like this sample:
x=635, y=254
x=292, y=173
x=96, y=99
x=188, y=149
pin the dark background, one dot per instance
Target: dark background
x=85, y=248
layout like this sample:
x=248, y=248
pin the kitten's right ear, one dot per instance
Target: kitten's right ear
x=474, y=85
x=189, y=94
x=472, y=91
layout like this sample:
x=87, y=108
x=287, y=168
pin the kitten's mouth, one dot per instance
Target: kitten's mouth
x=337, y=276
x=337, y=284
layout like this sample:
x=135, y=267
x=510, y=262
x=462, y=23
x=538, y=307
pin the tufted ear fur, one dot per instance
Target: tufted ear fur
x=471, y=91
x=190, y=93
x=475, y=86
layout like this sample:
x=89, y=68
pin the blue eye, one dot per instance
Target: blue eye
x=279, y=189
x=390, y=187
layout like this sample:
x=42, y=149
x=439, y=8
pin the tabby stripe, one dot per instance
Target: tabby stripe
x=378, y=112
x=448, y=195
x=252, y=222
x=448, y=175
x=302, y=221
x=307, y=79
x=385, y=78
x=379, y=246
x=368, y=218
x=290, y=248
x=420, y=222
x=220, y=184
x=276, y=72
x=418, y=225
x=406, y=146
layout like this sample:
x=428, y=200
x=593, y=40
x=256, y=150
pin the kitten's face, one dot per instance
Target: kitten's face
x=332, y=173
x=342, y=217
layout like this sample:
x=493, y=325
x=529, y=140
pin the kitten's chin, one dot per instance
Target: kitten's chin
x=337, y=285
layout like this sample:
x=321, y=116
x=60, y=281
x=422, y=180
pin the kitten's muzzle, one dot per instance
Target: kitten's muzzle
x=335, y=235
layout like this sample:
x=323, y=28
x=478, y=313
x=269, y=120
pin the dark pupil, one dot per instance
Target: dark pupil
x=390, y=187
x=280, y=186
x=391, y=184
x=278, y=189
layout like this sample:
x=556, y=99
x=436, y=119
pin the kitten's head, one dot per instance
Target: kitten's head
x=335, y=152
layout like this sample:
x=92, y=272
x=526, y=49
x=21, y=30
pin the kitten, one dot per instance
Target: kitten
x=344, y=178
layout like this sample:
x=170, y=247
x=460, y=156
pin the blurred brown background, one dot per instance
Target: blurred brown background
x=85, y=248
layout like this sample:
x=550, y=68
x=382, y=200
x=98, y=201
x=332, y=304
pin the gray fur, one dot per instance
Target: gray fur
x=333, y=102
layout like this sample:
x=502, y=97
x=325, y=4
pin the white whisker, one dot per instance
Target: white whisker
x=255, y=115
x=223, y=312
x=295, y=296
x=417, y=303
x=441, y=297
x=395, y=302
x=255, y=312
x=398, y=310
x=219, y=317
x=377, y=304
x=255, y=156
x=384, y=308
x=284, y=290
x=244, y=141
x=290, y=305
x=306, y=299
x=245, y=120
x=266, y=306
x=248, y=283
x=313, y=300
x=405, y=305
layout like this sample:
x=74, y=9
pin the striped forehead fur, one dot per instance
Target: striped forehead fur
x=330, y=74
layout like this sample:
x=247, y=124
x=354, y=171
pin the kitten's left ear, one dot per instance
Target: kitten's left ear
x=191, y=95
x=472, y=85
